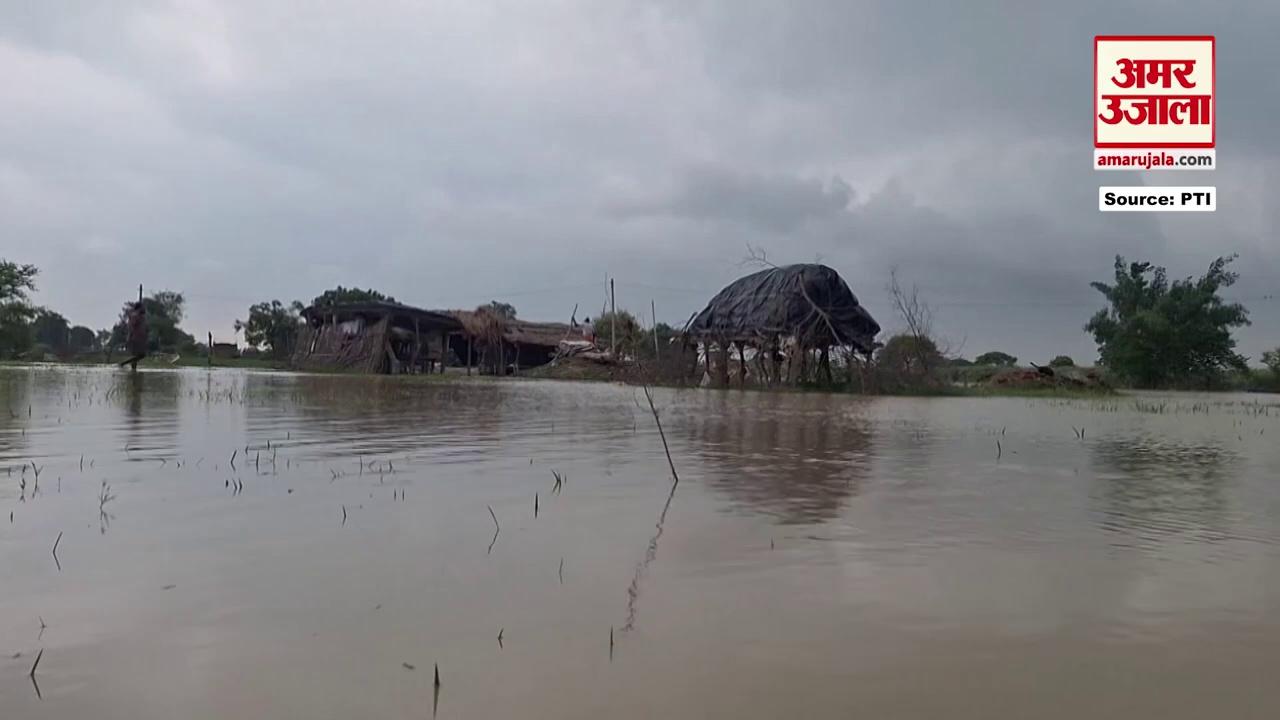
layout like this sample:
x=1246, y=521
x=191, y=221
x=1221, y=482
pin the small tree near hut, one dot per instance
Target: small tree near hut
x=273, y=325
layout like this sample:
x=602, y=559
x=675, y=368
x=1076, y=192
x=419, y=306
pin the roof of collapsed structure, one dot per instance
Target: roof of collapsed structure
x=808, y=301
x=378, y=307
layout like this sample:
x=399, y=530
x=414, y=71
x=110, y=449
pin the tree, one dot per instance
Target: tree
x=165, y=309
x=1062, y=361
x=81, y=339
x=997, y=358
x=51, y=329
x=917, y=315
x=908, y=360
x=16, y=312
x=1271, y=359
x=341, y=296
x=272, y=324
x=1158, y=333
x=627, y=329
x=506, y=311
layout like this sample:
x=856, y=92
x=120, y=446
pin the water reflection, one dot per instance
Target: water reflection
x=15, y=389
x=797, y=458
x=1155, y=488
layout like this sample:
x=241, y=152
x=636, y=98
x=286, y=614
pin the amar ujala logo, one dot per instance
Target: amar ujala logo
x=1154, y=91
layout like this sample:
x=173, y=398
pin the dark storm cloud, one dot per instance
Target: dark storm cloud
x=450, y=153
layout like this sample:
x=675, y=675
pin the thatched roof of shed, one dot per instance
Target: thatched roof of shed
x=514, y=330
x=809, y=301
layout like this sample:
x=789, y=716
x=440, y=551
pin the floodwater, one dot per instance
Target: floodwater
x=821, y=556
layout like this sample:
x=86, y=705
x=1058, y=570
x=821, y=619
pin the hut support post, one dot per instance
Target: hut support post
x=742, y=364
x=417, y=347
x=468, y=354
x=722, y=368
x=444, y=350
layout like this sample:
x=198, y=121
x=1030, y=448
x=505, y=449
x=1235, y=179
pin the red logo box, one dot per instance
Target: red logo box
x=1154, y=91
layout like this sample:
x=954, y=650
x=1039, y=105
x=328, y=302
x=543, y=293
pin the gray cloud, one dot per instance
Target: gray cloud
x=451, y=153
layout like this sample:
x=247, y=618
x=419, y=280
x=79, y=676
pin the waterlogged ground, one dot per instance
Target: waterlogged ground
x=822, y=556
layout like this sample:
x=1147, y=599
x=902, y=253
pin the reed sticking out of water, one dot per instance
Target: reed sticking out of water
x=55, y=562
x=435, y=693
x=658, y=421
x=500, y=631
x=651, y=553
x=535, y=505
x=35, y=664
x=496, y=529
x=555, y=489
x=233, y=458
x=611, y=642
x=344, y=515
x=561, y=571
x=999, y=450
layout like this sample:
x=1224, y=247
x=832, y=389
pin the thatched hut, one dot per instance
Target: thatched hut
x=374, y=337
x=790, y=316
x=497, y=344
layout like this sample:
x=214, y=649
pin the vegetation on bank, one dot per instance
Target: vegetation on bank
x=1154, y=333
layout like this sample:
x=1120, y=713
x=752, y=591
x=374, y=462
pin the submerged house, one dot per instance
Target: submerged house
x=497, y=345
x=374, y=337
x=789, y=317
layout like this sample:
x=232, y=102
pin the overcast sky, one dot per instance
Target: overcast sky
x=450, y=153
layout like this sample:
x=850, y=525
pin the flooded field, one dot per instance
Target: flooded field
x=232, y=544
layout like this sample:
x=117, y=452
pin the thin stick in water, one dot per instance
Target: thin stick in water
x=496, y=529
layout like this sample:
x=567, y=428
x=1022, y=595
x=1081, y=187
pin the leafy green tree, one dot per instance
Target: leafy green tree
x=630, y=336
x=997, y=358
x=909, y=357
x=341, y=295
x=51, y=329
x=1062, y=361
x=81, y=339
x=16, y=311
x=274, y=325
x=1158, y=333
x=1271, y=359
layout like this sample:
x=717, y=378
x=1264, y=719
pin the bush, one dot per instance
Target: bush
x=1062, y=361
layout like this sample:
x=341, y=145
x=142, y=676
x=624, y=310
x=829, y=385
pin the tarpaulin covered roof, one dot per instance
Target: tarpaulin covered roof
x=809, y=301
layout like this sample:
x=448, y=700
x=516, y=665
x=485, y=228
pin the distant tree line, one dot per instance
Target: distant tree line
x=28, y=331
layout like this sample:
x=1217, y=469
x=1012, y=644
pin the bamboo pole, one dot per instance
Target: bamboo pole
x=654, y=314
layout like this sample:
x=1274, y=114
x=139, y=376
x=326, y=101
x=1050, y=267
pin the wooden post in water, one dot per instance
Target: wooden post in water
x=468, y=354
x=654, y=314
x=210, y=349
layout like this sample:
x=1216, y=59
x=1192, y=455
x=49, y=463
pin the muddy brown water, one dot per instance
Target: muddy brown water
x=823, y=556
